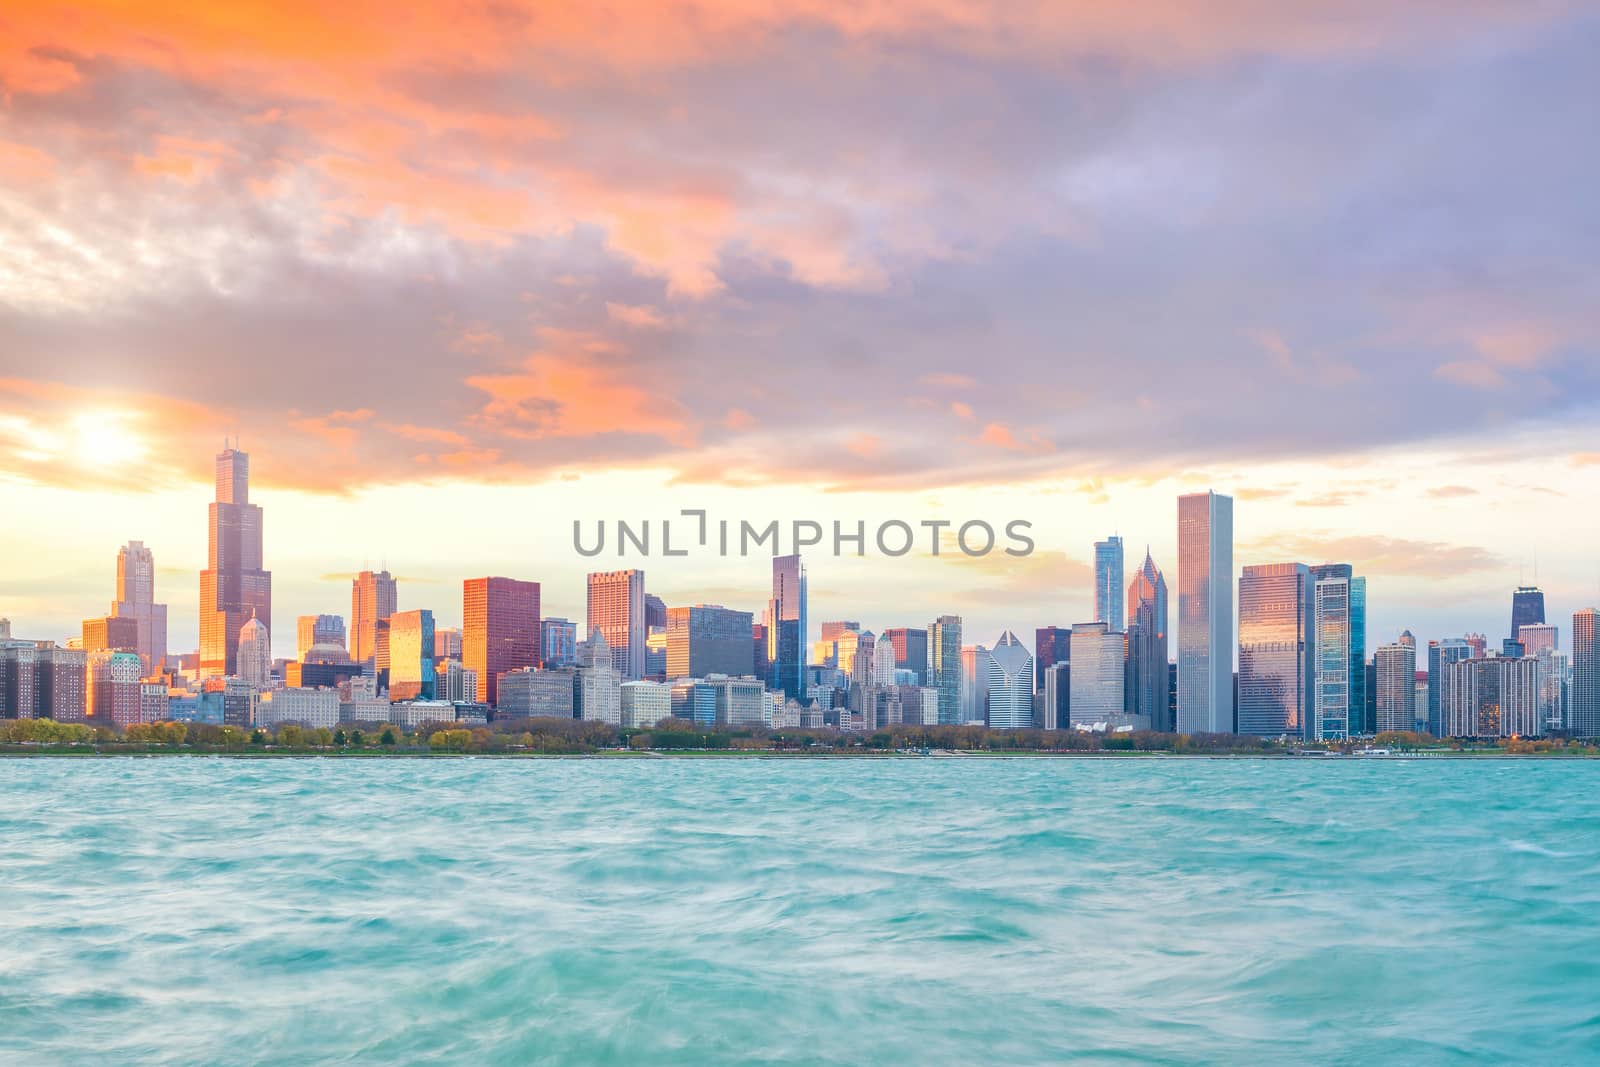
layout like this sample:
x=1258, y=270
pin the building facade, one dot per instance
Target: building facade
x=1205, y=613
x=500, y=629
x=1276, y=671
x=1108, y=577
x=616, y=609
x=374, y=596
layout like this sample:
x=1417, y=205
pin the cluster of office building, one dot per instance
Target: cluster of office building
x=1281, y=650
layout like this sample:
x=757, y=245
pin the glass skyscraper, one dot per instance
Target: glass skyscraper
x=1205, y=613
x=1345, y=628
x=1275, y=641
x=944, y=666
x=786, y=628
x=1147, y=646
x=1008, y=670
x=1108, y=582
x=1527, y=608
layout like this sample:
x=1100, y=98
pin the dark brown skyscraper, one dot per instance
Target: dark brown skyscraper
x=233, y=586
x=499, y=629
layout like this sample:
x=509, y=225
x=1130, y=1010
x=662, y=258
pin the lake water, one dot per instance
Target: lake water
x=964, y=911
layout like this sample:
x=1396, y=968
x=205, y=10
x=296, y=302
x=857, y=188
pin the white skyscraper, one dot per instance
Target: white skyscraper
x=1008, y=669
x=1396, y=665
x=255, y=654
x=883, y=663
x=1096, y=684
x=1205, y=613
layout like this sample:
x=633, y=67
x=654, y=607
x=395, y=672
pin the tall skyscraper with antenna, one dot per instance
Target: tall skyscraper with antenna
x=1527, y=608
x=234, y=586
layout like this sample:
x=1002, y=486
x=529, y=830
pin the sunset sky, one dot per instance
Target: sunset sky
x=458, y=277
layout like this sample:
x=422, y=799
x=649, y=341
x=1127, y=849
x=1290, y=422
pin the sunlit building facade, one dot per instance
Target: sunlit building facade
x=374, y=596
x=412, y=674
x=500, y=629
x=1396, y=667
x=1276, y=673
x=786, y=628
x=616, y=609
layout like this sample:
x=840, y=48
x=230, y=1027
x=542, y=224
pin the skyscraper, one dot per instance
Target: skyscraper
x=1108, y=582
x=786, y=628
x=944, y=666
x=255, y=655
x=1095, y=684
x=1583, y=698
x=1527, y=607
x=1051, y=645
x=1396, y=665
x=1440, y=655
x=1147, y=645
x=1341, y=631
x=412, y=675
x=1493, y=697
x=313, y=630
x=233, y=587
x=1536, y=637
x=1205, y=613
x=1276, y=672
x=707, y=639
x=500, y=629
x=1008, y=670
x=616, y=609
x=559, y=642
x=910, y=650
x=136, y=596
x=374, y=595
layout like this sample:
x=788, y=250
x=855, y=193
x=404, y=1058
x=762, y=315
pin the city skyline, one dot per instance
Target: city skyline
x=575, y=572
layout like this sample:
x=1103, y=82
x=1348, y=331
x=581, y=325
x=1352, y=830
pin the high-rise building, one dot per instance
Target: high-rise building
x=110, y=634
x=1527, y=608
x=1583, y=697
x=446, y=642
x=136, y=599
x=646, y=703
x=1396, y=665
x=1345, y=628
x=1056, y=697
x=655, y=612
x=1205, y=613
x=597, y=695
x=883, y=664
x=974, y=684
x=1108, y=582
x=786, y=628
x=1493, y=697
x=1552, y=689
x=559, y=642
x=1538, y=636
x=707, y=639
x=500, y=629
x=1051, y=645
x=374, y=595
x=1008, y=673
x=1440, y=655
x=944, y=666
x=1096, y=696
x=412, y=675
x=255, y=654
x=910, y=645
x=313, y=630
x=111, y=690
x=234, y=587
x=536, y=694
x=1147, y=645
x=1276, y=638
x=616, y=609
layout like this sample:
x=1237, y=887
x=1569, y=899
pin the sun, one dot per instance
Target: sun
x=104, y=438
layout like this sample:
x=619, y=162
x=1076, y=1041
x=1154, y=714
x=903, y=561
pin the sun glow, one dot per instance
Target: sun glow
x=104, y=438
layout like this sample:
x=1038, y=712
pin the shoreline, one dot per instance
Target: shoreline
x=60, y=753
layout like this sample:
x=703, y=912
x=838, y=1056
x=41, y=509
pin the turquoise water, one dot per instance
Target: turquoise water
x=973, y=911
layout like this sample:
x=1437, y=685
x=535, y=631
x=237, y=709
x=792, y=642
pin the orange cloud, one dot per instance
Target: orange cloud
x=574, y=396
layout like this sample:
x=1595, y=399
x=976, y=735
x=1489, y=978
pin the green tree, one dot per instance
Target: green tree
x=388, y=737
